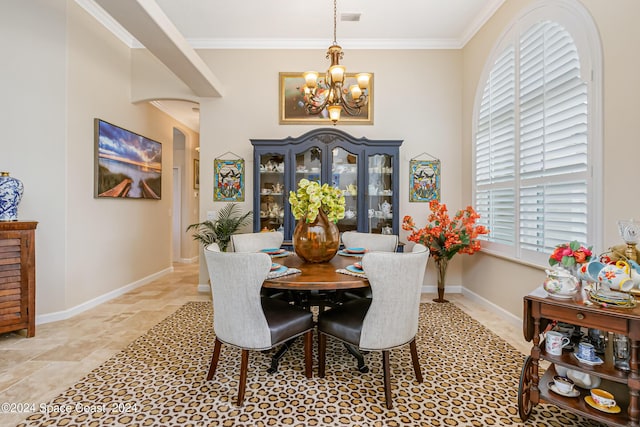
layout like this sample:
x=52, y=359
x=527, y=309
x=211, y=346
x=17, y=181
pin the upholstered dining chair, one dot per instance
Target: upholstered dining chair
x=254, y=242
x=388, y=319
x=244, y=319
x=370, y=241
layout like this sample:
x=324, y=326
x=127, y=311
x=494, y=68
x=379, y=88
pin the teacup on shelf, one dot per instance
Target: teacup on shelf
x=564, y=385
x=603, y=398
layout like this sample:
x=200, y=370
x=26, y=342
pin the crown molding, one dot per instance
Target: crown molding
x=108, y=22
x=481, y=19
x=323, y=43
x=402, y=44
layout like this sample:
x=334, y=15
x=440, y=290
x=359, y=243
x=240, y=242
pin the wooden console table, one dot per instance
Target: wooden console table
x=539, y=311
x=17, y=276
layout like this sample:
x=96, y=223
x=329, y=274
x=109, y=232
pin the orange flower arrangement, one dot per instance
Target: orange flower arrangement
x=444, y=236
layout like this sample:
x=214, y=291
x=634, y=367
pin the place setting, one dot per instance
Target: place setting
x=276, y=252
x=354, y=269
x=354, y=252
x=279, y=270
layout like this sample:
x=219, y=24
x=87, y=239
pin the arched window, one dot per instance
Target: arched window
x=537, y=134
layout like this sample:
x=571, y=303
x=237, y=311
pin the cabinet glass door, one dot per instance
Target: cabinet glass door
x=273, y=194
x=344, y=175
x=309, y=165
x=380, y=194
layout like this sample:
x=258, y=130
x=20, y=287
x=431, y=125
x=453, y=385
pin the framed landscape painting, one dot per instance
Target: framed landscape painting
x=292, y=110
x=424, y=178
x=229, y=180
x=127, y=165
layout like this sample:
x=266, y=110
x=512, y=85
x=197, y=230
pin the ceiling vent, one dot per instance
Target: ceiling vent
x=350, y=17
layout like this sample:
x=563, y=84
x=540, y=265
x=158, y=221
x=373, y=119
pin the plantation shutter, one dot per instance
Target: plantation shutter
x=495, y=151
x=553, y=140
x=531, y=146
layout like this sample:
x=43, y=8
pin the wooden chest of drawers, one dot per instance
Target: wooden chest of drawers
x=17, y=276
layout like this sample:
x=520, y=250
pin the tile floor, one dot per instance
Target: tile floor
x=37, y=369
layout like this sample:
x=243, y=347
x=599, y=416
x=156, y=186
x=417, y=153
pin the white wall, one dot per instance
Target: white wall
x=61, y=69
x=33, y=145
x=504, y=282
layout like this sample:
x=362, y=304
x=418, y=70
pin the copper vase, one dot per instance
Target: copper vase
x=316, y=241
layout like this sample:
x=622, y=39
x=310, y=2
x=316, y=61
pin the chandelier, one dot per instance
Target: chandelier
x=331, y=94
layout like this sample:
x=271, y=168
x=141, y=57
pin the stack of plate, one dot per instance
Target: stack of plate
x=612, y=298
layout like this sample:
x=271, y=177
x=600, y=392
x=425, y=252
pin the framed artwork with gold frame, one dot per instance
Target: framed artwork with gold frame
x=292, y=105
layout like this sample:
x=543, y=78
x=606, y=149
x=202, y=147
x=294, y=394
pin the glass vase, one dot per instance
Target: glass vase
x=441, y=266
x=316, y=241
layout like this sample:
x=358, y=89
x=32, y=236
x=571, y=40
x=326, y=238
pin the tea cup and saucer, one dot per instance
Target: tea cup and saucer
x=563, y=386
x=587, y=354
x=603, y=401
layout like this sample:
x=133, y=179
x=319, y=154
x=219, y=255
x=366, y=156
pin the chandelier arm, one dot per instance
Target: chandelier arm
x=353, y=107
x=311, y=108
x=352, y=110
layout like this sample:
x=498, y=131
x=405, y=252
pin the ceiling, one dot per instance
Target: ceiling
x=187, y=25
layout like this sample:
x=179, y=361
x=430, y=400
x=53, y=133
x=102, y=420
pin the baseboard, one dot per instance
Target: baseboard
x=66, y=314
x=508, y=316
x=189, y=260
x=204, y=288
x=433, y=289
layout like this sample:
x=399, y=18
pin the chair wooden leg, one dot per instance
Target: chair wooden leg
x=308, y=354
x=387, y=379
x=322, y=344
x=415, y=360
x=214, y=359
x=243, y=376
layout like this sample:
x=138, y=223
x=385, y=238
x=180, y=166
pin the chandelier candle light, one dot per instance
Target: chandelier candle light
x=330, y=94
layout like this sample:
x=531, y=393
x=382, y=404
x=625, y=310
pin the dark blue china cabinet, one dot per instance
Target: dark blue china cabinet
x=366, y=170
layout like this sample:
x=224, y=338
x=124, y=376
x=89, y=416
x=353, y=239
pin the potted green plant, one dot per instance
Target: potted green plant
x=220, y=230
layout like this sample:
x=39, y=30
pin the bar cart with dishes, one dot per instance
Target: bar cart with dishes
x=541, y=311
x=365, y=170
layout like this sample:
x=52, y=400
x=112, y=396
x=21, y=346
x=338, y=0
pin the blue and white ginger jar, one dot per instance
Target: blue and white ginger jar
x=10, y=194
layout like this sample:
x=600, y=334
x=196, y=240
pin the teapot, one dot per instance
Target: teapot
x=560, y=282
x=349, y=214
x=385, y=207
x=616, y=276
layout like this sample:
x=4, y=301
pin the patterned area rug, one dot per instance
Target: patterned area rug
x=470, y=379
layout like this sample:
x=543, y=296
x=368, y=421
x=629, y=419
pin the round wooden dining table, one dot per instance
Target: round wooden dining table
x=316, y=276
x=321, y=279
